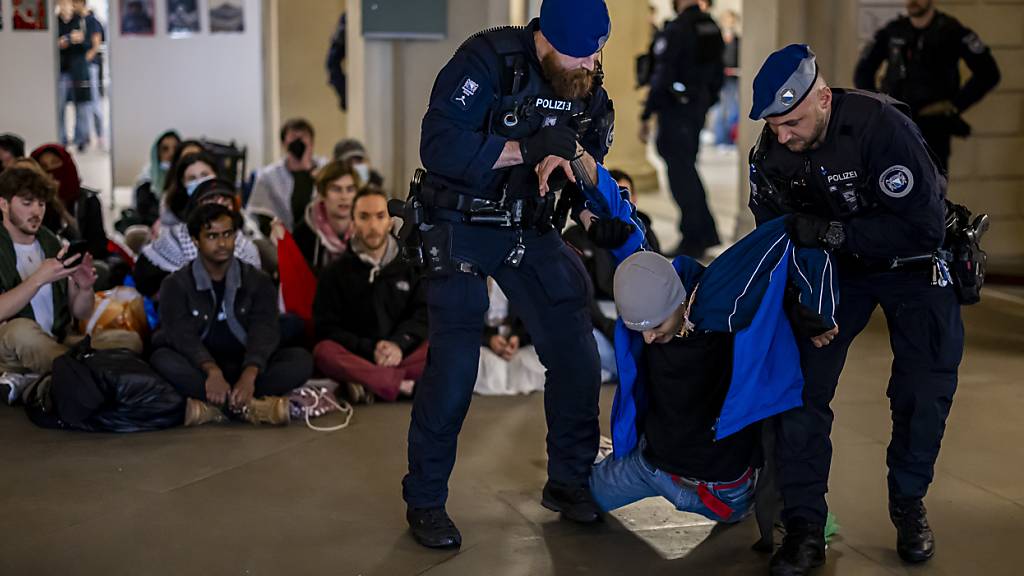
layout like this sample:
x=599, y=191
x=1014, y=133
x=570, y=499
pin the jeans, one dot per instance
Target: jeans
x=97, y=103
x=615, y=483
x=727, y=111
x=82, y=111
x=606, y=350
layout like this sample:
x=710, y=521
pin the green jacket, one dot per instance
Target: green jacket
x=10, y=278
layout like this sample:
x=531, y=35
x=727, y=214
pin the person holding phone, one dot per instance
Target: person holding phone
x=283, y=189
x=44, y=283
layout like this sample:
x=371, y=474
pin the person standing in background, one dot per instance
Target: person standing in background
x=94, y=57
x=74, y=43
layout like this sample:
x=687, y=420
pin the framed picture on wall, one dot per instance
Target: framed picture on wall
x=182, y=17
x=137, y=17
x=29, y=14
x=227, y=16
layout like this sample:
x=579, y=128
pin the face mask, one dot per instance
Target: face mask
x=165, y=166
x=190, y=188
x=363, y=171
x=297, y=148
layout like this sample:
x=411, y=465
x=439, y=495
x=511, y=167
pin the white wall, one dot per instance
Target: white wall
x=28, y=91
x=205, y=85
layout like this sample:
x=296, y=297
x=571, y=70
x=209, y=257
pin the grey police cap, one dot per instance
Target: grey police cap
x=783, y=81
x=647, y=290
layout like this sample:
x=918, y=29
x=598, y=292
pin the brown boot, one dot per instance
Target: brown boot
x=198, y=412
x=267, y=410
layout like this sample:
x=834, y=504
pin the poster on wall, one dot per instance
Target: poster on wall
x=29, y=14
x=227, y=16
x=137, y=17
x=182, y=18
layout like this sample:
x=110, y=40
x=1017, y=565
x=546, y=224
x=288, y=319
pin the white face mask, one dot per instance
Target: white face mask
x=363, y=171
x=165, y=166
x=190, y=188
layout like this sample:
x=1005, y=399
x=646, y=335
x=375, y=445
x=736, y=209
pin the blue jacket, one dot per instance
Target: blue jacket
x=740, y=292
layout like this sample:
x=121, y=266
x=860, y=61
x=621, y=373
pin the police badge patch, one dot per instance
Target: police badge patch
x=896, y=181
x=974, y=44
x=464, y=94
x=787, y=97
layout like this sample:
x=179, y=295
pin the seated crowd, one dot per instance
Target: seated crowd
x=249, y=294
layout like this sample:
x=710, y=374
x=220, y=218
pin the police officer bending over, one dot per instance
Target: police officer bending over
x=922, y=52
x=856, y=174
x=514, y=115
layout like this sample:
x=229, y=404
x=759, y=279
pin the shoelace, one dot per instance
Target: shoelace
x=322, y=401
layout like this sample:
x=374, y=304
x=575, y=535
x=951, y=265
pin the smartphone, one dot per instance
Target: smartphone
x=75, y=247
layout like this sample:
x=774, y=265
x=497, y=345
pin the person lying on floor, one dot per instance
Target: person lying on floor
x=219, y=341
x=703, y=355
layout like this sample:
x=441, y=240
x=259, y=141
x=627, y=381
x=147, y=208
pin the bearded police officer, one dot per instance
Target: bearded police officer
x=515, y=114
x=857, y=177
x=922, y=52
x=686, y=79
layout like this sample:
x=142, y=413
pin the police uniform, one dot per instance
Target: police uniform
x=686, y=80
x=923, y=67
x=874, y=179
x=490, y=92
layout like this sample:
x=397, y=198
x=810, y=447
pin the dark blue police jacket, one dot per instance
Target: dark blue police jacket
x=740, y=292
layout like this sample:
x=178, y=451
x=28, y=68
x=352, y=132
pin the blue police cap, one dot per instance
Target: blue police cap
x=783, y=81
x=576, y=28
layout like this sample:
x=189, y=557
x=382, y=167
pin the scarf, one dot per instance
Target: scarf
x=173, y=249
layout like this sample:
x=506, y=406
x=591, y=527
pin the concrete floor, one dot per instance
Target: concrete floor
x=232, y=499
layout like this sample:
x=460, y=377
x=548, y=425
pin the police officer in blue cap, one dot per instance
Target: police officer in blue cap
x=516, y=115
x=857, y=177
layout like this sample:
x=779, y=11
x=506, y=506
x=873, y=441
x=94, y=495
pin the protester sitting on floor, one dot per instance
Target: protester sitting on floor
x=370, y=310
x=508, y=362
x=81, y=202
x=323, y=233
x=149, y=187
x=43, y=286
x=353, y=153
x=187, y=173
x=219, y=337
x=174, y=248
x=283, y=189
x=12, y=147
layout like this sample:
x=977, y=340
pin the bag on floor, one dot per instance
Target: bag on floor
x=108, y=391
x=120, y=308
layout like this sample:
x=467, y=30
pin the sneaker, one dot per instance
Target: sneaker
x=198, y=413
x=432, y=527
x=357, y=393
x=14, y=383
x=575, y=502
x=915, y=541
x=267, y=410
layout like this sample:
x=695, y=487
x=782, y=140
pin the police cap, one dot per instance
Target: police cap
x=576, y=28
x=783, y=81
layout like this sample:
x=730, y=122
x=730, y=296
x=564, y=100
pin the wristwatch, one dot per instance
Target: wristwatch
x=835, y=235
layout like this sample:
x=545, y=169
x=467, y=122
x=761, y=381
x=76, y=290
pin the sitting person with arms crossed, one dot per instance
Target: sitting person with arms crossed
x=220, y=340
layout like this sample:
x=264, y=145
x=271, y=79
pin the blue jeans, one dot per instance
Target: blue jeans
x=82, y=112
x=96, y=107
x=606, y=350
x=619, y=482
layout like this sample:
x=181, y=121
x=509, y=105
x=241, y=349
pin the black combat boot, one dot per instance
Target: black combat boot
x=803, y=548
x=432, y=528
x=914, y=539
x=575, y=502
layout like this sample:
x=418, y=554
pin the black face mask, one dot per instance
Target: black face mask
x=297, y=148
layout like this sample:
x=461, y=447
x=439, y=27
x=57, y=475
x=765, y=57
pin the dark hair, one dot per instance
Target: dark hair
x=365, y=191
x=206, y=214
x=13, y=144
x=617, y=175
x=27, y=182
x=331, y=172
x=176, y=196
x=297, y=125
x=178, y=153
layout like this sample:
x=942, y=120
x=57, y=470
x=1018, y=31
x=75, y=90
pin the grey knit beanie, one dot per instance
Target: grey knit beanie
x=647, y=290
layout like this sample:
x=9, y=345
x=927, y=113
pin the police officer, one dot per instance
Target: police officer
x=687, y=77
x=923, y=51
x=514, y=114
x=857, y=177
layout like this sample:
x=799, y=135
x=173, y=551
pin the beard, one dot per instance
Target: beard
x=814, y=141
x=917, y=8
x=568, y=84
x=29, y=226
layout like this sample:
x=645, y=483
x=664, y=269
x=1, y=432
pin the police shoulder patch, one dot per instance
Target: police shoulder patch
x=896, y=181
x=974, y=44
x=465, y=93
x=660, y=45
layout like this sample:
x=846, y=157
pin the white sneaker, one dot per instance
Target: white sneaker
x=15, y=383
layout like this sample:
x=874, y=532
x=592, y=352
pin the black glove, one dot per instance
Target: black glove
x=609, y=233
x=550, y=141
x=815, y=232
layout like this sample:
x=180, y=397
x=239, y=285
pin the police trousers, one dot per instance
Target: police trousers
x=927, y=339
x=678, y=142
x=550, y=291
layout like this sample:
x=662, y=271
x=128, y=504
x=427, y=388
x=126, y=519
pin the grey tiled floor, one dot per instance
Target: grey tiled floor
x=237, y=500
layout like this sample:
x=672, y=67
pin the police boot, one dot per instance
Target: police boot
x=575, y=502
x=803, y=548
x=914, y=539
x=432, y=527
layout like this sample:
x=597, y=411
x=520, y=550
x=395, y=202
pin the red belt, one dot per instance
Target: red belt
x=708, y=498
